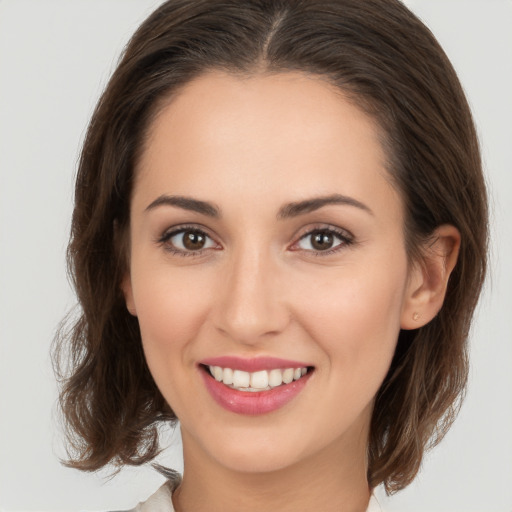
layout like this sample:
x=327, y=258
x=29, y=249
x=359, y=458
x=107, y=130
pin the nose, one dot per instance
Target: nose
x=251, y=306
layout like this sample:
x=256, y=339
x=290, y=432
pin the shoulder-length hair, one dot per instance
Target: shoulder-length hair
x=391, y=66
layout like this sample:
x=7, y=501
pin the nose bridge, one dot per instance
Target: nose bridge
x=251, y=304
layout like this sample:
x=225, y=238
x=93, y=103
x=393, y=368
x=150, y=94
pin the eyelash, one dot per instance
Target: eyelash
x=346, y=240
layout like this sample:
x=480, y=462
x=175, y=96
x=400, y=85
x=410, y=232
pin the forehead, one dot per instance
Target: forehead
x=266, y=136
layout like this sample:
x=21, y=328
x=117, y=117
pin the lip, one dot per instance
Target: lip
x=253, y=403
x=254, y=364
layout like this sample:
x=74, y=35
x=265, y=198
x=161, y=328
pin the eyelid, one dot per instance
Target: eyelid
x=346, y=237
x=181, y=228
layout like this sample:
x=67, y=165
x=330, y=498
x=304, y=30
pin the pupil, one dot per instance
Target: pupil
x=322, y=240
x=193, y=240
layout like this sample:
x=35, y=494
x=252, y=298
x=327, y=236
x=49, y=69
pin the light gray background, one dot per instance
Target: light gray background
x=55, y=57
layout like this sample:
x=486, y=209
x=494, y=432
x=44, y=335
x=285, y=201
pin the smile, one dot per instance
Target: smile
x=255, y=386
x=263, y=380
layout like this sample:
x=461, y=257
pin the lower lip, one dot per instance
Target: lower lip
x=253, y=402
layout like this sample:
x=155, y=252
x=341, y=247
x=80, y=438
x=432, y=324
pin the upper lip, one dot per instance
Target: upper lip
x=253, y=364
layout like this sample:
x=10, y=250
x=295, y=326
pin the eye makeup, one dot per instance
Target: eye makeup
x=194, y=241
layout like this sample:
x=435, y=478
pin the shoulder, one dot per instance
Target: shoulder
x=374, y=505
x=161, y=500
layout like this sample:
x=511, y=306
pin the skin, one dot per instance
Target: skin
x=258, y=288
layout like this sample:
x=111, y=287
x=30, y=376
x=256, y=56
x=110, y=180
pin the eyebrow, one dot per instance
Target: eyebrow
x=186, y=203
x=315, y=203
x=285, y=212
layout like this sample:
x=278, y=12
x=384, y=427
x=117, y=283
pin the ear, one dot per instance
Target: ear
x=428, y=279
x=126, y=287
x=122, y=243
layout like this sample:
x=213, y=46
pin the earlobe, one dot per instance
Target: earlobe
x=122, y=242
x=126, y=287
x=428, y=279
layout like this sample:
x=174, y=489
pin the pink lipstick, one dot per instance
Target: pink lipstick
x=254, y=386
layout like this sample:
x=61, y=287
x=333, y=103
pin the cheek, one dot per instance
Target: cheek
x=356, y=318
x=356, y=325
x=171, y=309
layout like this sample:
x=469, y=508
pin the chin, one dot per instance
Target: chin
x=267, y=450
x=257, y=461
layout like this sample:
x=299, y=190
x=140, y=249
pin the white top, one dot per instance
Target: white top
x=161, y=500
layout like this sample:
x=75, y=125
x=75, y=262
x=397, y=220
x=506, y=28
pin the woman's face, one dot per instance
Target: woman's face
x=265, y=235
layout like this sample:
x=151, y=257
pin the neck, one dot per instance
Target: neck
x=333, y=480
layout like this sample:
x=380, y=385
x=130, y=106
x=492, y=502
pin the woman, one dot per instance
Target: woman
x=279, y=239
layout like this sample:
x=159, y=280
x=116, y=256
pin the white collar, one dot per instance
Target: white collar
x=161, y=500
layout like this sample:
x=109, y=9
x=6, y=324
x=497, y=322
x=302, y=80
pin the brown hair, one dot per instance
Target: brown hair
x=380, y=55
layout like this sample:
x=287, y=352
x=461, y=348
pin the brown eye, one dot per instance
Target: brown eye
x=321, y=240
x=187, y=241
x=324, y=241
x=193, y=240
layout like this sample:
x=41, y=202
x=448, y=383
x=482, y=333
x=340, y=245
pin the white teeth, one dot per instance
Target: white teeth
x=228, y=376
x=275, y=378
x=259, y=380
x=256, y=381
x=241, y=379
x=217, y=373
x=288, y=375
